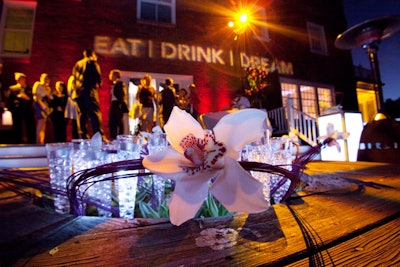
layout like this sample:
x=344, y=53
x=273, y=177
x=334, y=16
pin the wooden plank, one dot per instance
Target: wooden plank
x=377, y=247
x=344, y=201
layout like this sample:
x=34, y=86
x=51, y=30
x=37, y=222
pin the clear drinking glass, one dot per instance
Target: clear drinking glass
x=80, y=148
x=281, y=156
x=128, y=147
x=59, y=156
x=259, y=151
x=101, y=190
x=155, y=142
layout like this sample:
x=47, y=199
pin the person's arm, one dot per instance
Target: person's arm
x=119, y=92
x=138, y=92
x=77, y=72
x=99, y=81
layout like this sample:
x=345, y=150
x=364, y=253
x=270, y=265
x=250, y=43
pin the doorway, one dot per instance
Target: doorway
x=132, y=80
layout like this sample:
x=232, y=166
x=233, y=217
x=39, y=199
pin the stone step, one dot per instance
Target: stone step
x=22, y=156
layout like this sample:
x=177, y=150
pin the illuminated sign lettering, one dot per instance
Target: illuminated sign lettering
x=139, y=48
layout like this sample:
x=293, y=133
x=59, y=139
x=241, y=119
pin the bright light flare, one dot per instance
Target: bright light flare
x=243, y=18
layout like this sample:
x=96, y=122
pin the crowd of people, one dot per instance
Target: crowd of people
x=41, y=113
x=154, y=108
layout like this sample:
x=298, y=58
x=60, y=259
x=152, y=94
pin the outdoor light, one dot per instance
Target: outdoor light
x=239, y=23
x=243, y=18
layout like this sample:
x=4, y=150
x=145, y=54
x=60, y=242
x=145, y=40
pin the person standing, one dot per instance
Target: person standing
x=119, y=105
x=183, y=99
x=20, y=103
x=146, y=95
x=72, y=112
x=194, y=101
x=58, y=103
x=240, y=101
x=42, y=95
x=88, y=81
x=2, y=94
x=167, y=100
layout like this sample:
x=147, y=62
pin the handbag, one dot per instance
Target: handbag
x=6, y=118
x=136, y=111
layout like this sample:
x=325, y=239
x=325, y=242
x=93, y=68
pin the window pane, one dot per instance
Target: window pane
x=290, y=90
x=308, y=100
x=17, y=22
x=316, y=35
x=19, y=18
x=17, y=42
x=157, y=10
x=148, y=11
x=164, y=14
x=324, y=99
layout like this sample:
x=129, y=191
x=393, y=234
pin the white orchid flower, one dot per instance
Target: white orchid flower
x=333, y=136
x=194, y=157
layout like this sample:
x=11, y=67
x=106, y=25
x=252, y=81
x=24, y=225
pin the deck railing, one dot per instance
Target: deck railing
x=288, y=119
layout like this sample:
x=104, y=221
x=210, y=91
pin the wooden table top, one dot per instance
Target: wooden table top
x=348, y=215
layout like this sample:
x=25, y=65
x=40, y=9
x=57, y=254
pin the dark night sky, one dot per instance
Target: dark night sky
x=358, y=11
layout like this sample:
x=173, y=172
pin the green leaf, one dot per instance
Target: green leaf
x=147, y=211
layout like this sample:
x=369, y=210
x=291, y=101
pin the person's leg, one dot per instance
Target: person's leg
x=30, y=127
x=17, y=127
x=112, y=122
x=120, y=126
x=75, y=129
x=82, y=116
x=40, y=131
x=94, y=113
x=125, y=123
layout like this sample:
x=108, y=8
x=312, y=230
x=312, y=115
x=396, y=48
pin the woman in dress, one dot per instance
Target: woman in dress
x=146, y=96
x=42, y=97
x=58, y=104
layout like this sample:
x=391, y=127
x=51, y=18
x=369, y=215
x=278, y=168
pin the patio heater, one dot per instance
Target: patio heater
x=368, y=35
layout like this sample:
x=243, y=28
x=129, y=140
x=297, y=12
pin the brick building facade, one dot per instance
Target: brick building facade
x=190, y=41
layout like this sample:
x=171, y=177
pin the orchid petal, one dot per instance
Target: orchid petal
x=179, y=125
x=188, y=196
x=165, y=162
x=237, y=190
x=238, y=129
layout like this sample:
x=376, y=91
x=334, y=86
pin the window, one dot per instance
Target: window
x=289, y=90
x=260, y=23
x=156, y=10
x=316, y=37
x=324, y=99
x=132, y=79
x=16, y=28
x=309, y=98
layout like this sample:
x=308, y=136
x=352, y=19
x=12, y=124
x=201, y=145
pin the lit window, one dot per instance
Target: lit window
x=307, y=97
x=316, y=37
x=324, y=99
x=289, y=90
x=308, y=100
x=16, y=28
x=156, y=10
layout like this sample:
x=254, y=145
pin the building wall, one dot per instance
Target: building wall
x=64, y=28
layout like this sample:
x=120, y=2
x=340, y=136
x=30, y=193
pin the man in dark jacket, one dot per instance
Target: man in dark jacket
x=87, y=75
x=20, y=103
x=118, y=115
x=167, y=100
